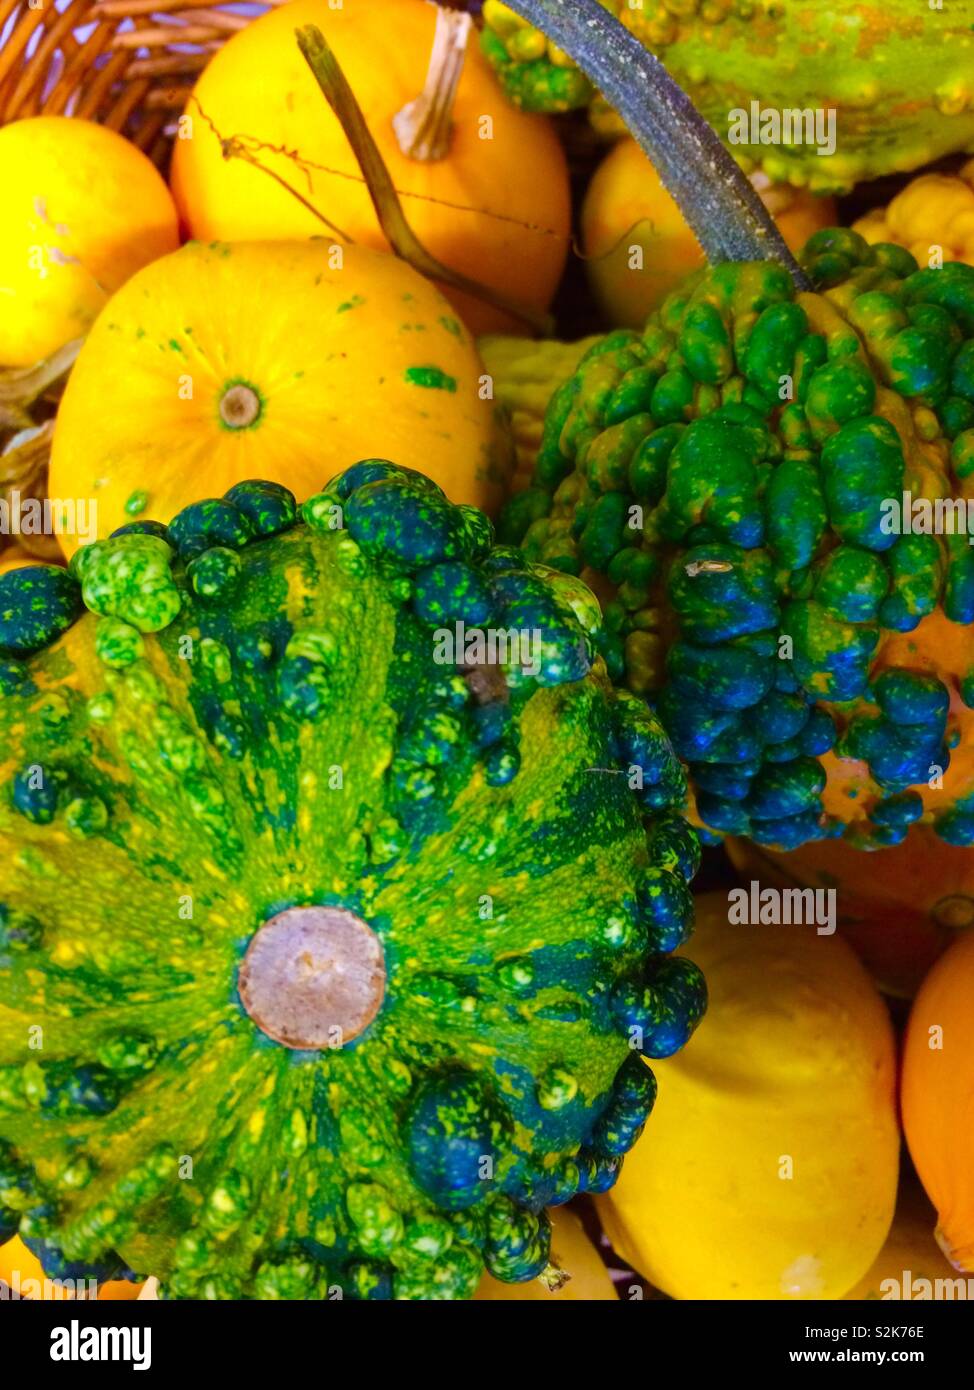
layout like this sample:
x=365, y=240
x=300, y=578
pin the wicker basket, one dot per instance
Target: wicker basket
x=129, y=64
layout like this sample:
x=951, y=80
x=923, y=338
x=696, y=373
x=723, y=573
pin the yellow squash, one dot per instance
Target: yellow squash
x=933, y=217
x=910, y=1263
x=769, y=1170
x=524, y=373
x=83, y=209
x=279, y=360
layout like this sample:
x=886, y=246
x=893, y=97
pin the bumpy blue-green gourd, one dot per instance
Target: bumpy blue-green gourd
x=333, y=937
x=735, y=477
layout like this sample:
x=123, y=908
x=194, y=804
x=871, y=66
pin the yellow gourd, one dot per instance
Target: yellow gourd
x=910, y=1263
x=933, y=217
x=524, y=373
x=279, y=360
x=571, y=1251
x=769, y=1170
x=83, y=209
x=638, y=245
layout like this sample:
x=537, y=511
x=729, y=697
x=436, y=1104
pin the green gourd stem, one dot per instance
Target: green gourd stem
x=401, y=237
x=721, y=208
x=424, y=126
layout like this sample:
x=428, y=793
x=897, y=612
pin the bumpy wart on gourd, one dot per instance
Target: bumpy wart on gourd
x=727, y=471
x=341, y=959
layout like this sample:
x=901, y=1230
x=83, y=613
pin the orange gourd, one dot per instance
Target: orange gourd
x=23, y=1274
x=484, y=186
x=937, y=1097
x=626, y=207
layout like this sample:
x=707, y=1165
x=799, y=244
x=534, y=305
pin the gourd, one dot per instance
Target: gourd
x=21, y=1271
x=328, y=949
x=770, y=1168
x=937, y=1097
x=899, y=907
x=277, y=359
x=729, y=472
x=83, y=209
x=484, y=186
x=933, y=217
x=638, y=247
x=910, y=1264
x=14, y=557
x=915, y=106
x=523, y=373
x=588, y=1279
x=730, y=478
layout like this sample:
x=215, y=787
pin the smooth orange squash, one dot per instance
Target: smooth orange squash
x=490, y=199
x=937, y=1097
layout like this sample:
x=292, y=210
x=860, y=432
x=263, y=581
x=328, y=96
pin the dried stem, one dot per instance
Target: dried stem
x=721, y=208
x=424, y=127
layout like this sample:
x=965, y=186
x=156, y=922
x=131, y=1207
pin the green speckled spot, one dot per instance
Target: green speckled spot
x=136, y=504
x=433, y=378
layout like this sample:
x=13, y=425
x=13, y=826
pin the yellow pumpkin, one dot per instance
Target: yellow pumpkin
x=21, y=1271
x=279, y=360
x=627, y=207
x=911, y=1262
x=769, y=1167
x=938, y=1096
x=495, y=204
x=83, y=209
x=572, y=1252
